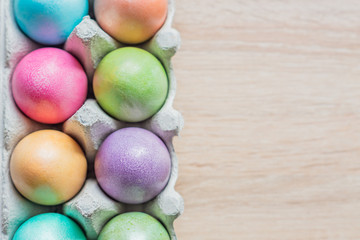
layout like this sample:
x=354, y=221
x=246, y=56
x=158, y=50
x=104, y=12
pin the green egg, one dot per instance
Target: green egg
x=49, y=226
x=130, y=84
x=134, y=226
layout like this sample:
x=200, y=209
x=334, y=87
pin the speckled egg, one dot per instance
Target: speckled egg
x=130, y=84
x=132, y=165
x=49, y=22
x=134, y=226
x=49, y=226
x=133, y=21
x=49, y=85
x=48, y=167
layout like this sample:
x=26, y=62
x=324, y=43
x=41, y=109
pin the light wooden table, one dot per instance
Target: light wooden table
x=270, y=92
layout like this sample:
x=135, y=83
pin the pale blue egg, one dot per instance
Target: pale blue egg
x=49, y=22
x=49, y=226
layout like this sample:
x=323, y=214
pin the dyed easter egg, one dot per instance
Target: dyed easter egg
x=132, y=165
x=49, y=226
x=49, y=85
x=48, y=167
x=134, y=226
x=133, y=21
x=130, y=84
x=49, y=22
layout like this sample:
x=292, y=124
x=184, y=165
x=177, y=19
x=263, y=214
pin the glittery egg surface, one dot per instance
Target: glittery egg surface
x=132, y=165
x=133, y=21
x=49, y=226
x=49, y=22
x=134, y=226
x=49, y=85
x=130, y=84
x=48, y=167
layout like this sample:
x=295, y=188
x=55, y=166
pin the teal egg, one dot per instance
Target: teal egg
x=49, y=22
x=134, y=226
x=49, y=226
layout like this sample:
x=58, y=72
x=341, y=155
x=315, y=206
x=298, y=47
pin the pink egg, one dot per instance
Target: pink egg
x=49, y=85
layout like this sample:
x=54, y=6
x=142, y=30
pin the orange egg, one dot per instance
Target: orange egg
x=131, y=21
x=48, y=167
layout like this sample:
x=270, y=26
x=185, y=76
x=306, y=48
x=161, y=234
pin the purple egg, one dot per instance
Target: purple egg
x=132, y=165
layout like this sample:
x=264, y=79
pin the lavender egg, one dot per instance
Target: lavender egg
x=132, y=165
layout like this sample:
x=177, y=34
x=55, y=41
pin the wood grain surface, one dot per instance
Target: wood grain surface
x=270, y=92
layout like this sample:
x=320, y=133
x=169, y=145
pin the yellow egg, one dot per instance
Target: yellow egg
x=48, y=167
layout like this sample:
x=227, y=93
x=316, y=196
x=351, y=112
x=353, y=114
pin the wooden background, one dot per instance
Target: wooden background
x=270, y=92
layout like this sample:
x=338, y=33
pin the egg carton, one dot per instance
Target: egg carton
x=90, y=125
